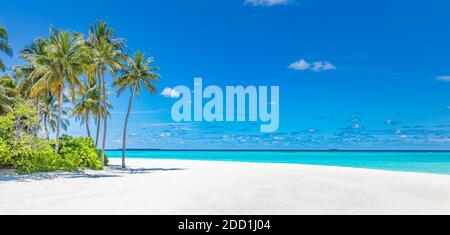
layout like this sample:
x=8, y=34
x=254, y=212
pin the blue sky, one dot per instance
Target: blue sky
x=352, y=74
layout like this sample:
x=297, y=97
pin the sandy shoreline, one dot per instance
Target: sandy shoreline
x=195, y=187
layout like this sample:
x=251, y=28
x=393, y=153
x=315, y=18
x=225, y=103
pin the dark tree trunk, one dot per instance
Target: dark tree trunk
x=87, y=126
x=58, y=127
x=47, y=133
x=105, y=121
x=97, y=137
x=99, y=112
x=38, y=115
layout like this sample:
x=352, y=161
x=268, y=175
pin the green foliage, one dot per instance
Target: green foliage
x=81, y=151
x=4, y=46
x=7, y=126
x=29, y=154
x=5, y=154
x=28, y=159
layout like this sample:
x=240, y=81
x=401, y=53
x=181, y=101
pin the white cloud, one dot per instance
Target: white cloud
x=355, y=120
x=444, y=78
x=268, y=3
x=170, y=93
x=312, y=130
x=322, y=66
x=318, y=66
x=166, y=124
x=165, y=135
x=446, y=140
x=300, y=65
x=158, y=111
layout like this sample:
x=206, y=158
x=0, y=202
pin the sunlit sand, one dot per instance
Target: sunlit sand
x=196, y=187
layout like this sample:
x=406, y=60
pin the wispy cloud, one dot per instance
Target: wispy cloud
x=300, y=65
x=165, y=135
x=268, y=3
x=445, y=140
x=142, y=112
x=317, y=66
x=391, y=122
x=170, y=93
x=166, y=124
x=444, y=78
x=322, y=66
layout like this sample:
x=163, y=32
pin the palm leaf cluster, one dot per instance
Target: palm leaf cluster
x=66, y=74
x=4, y=46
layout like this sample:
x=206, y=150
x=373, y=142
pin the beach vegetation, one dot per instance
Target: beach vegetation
x=27, y=154
x=64, y=77
x=5, y=48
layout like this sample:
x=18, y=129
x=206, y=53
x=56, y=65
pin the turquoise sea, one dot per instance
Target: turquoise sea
x=423, y=162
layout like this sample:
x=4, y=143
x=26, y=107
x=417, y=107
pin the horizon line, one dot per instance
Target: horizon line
x=267, y=150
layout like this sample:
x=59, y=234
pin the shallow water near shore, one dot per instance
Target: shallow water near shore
x=419, y=162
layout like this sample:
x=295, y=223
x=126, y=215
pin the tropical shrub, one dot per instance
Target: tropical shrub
x=5, y=154
x=81, y=151
x=29, y=160
x=30, y=154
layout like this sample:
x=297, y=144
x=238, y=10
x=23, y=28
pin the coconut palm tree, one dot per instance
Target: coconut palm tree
x=50, y=114
x=83, y=108
x=86, y=106
x=26, y=83
x=59, y=69
x=107, y=56
x=4, y=46
x=139, y=73
x=7, y=94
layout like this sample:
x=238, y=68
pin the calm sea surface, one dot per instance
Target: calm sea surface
x=424, y=162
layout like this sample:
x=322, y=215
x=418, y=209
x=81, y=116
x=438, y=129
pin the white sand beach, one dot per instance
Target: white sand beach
x=195, y=187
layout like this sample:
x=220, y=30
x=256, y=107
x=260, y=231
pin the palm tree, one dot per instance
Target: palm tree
x=7, y=94
x=59, y=68
x=26, y=82
x=4, y=46
x=86, y=106
x=138, y=73
x=85, y=103
x=107, y=56
x=49, y=112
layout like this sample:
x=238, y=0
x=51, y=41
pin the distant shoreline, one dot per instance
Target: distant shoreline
x=269, y=150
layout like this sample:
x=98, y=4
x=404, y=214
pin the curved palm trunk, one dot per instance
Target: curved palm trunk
x=47, y=133
x=58, y=127
x=99, y=115
x=38, y=115
x=125, y=128
x=105, y=121
x=98, y=128
x=87, y=126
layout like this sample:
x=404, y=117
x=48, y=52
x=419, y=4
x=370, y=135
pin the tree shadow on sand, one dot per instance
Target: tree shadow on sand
x=133, y=171
x=109, y=172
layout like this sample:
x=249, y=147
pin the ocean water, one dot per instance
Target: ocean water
x=423, y=162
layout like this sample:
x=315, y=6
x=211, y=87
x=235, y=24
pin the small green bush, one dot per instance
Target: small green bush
x=80, y=152
x=43, y=159
x=5, y=154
